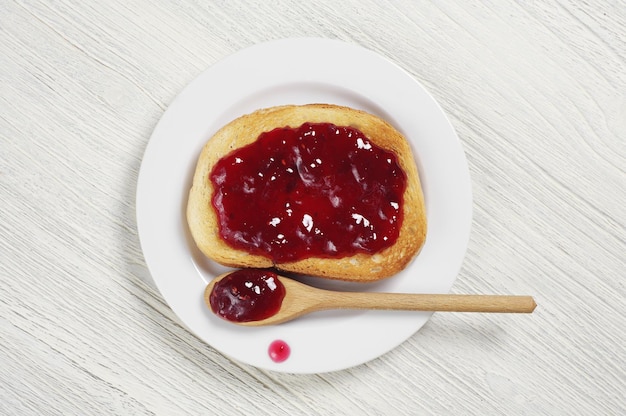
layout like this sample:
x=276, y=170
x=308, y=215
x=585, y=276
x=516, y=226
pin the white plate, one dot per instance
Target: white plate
x=299, y=71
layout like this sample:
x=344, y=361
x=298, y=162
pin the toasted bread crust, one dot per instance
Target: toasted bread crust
x=203, y=222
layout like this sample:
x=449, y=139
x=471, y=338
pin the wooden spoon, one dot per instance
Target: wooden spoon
x=301, y=299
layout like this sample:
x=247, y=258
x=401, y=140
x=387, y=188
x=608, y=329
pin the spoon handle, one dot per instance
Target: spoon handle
x=431, y=302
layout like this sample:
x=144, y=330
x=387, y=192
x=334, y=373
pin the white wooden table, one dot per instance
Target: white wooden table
x=537, y=94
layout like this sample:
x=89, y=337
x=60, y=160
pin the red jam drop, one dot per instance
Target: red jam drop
x=279, y=351
x=247, y=295
x=318, y=190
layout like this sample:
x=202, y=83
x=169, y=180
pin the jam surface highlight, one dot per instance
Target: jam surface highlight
x=318, y=190
x=247, y=295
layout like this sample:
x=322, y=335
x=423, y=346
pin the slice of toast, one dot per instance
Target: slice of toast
x=363, y=267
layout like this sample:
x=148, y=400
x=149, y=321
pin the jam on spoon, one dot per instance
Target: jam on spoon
x=247, y=295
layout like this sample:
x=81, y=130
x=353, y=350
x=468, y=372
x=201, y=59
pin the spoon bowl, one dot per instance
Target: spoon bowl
x=300, y=299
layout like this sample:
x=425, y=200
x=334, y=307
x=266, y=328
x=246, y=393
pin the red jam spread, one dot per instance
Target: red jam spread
x=247, y=295
x=318, y=190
